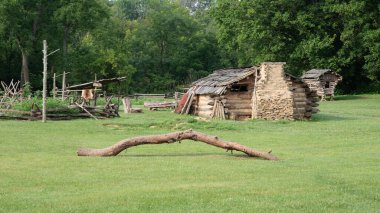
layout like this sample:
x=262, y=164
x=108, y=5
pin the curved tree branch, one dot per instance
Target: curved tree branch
x=172, y=138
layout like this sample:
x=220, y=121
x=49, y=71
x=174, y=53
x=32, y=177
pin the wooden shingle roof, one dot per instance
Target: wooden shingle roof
x=217, y=82
x=316, y=73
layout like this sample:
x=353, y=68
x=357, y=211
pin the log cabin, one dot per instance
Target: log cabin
x=323, y=81
x=259, y=92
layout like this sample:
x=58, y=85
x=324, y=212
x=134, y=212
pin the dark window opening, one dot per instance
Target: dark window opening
x=327, y=84
x=239, y=88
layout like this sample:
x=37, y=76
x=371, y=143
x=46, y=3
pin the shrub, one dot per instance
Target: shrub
x=51, y=103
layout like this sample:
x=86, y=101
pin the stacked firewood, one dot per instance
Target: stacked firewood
x=273, y=98
x=274, y=108
x=218, y=110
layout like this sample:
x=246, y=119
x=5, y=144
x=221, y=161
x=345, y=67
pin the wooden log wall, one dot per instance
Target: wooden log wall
x=319, y=85
x=299, y=100
x=316, y=85
x=277, y=97
x=304, y=101
x=238, y=104
x=204, y=105
x=332, y=81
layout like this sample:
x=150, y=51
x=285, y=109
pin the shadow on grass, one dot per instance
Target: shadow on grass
x=236, y=156
x=329, y=117
x=173, y=155
x=349, y=97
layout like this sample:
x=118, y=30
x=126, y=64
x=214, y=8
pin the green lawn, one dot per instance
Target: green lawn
x=330, y=164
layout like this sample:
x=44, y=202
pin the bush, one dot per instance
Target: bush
x=51, y=103
x=27, y=90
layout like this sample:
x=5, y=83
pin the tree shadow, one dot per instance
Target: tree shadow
x=171, y=155
x=241, y=156
x=328, y=117
x=348, y=97
x=235, y=155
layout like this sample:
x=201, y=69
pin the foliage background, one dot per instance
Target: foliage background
x=161, y=45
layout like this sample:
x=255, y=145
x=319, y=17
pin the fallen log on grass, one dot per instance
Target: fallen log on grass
x=159, y=105
x=172, y=138
x=19, y=112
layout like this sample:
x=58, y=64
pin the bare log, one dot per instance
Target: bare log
x=127, y=105
x=84, y=109
x=136, y=110
x=172, y=138
x=15, y=111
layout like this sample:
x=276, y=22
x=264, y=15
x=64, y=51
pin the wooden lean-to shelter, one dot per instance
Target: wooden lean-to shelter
x=323, y=81
x=88, y=88
x=264, y=92
x=88, y=93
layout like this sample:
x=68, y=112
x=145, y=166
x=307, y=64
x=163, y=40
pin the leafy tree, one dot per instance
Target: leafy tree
x=99, y=54
x=131, y=9
x=75, y=18
x=26, y=23
x=341, y=35
x=21, y=21
x=197, y=6
x=168, y=47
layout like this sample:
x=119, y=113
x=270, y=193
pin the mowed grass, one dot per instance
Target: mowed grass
x=330, y=164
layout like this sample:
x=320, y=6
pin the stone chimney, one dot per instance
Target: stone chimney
x=273, y=98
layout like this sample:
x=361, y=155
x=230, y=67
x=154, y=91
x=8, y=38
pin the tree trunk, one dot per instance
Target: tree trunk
x=65, y=35
x=54, y=86
x=171, y=138
x=36, y=24
x=24, y=61
x=163, y=49
x=64, y=48
x=162, y=52
x=63, y=85
x=24, y=68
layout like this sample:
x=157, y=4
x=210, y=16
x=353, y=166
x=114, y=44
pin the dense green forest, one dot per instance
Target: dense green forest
x=161, y=45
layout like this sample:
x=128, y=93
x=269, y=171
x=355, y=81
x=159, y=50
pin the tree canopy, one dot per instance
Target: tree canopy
x=162, y=44
x=340, y=35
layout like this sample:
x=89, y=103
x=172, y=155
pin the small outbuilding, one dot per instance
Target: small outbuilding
x=88, y=88
x=264, y=92
x=323, y=81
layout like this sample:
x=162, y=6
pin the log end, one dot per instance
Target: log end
x=93, y=152
x=83, y=151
